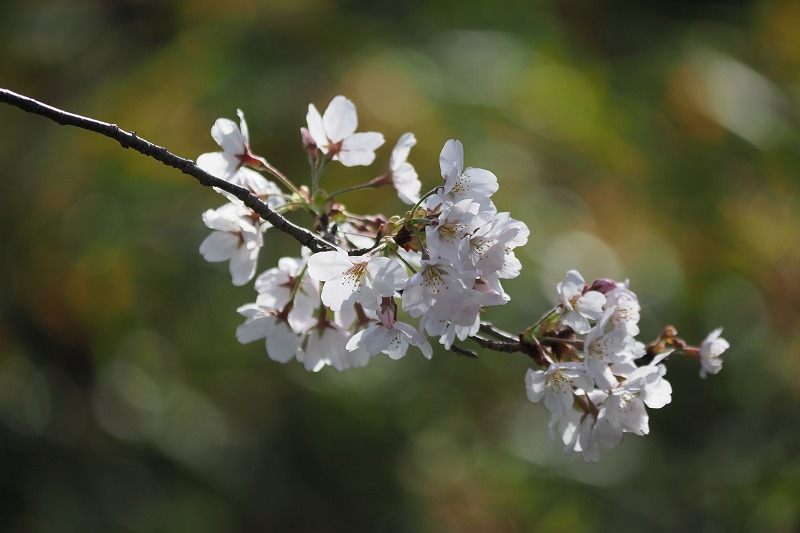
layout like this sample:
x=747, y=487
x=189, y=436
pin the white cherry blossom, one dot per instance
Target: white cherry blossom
x=263, y=323
x=575, y=430
x=349, y=279
x=492, y=245
x=473, y=183
x=237, y=237
x=583, y=433
x=556, y=385
x=604, y=349
x=277, y=285
x=656, y=392
x=627, y=310
x=448, y=237
x=711, y=349
x=334, y=133
x=578, y=307
x=645, y=386
x=449, y=330
x=235, y=143
x=450, y=323
x=390, y=337
x=435, y=281
x=327, y=346
x=625, y=410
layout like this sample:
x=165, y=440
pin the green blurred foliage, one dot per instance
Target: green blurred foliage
x=653, y=141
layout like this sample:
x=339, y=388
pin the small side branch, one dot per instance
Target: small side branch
x=128, y=139
x=497, y=333
x=509, y=344
x=463, y=352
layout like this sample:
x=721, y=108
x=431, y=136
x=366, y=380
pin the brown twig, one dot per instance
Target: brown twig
x=130, y=140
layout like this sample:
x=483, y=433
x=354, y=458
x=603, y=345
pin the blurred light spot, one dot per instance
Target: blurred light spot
x=557, y=100
x=25, y=401
x=516, y=168
x=735, y=96
x=395, y=85
x=550, y=207
x=136, y=387
x=481, y=67
x=528, y=435
x=196, y=432
x=154, y=354
x=583, y=252
x=133, y=388
x=653, y=267
x=126, y=402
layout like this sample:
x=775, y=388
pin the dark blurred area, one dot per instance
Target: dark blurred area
x=655, y=141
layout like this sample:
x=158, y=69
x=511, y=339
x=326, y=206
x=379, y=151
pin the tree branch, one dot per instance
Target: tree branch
x=508, y=344
x=490, y=329
x=131, y=140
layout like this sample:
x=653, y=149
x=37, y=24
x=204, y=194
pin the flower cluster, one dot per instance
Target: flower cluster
x=595, y=367
x=375, y=285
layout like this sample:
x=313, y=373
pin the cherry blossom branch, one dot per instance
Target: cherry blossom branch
x=458, y=350
x=515, y=346
x=315, y=243
x=131, y=140
x=585, y=347
x=490, y=329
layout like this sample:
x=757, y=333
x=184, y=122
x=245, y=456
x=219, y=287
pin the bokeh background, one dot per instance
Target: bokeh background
x=656, y=141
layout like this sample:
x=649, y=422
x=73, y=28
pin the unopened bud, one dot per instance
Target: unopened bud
x=603, y=285
x=309, y=145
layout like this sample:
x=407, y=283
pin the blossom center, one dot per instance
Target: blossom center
x=356, y=273
x=433, y=279
x=573, y=301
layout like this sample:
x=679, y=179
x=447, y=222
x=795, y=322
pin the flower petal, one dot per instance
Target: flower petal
x=416, y=338
x=340, y=119
x=219, y=246
x=359, y=149
x=219, y=164
x=282, y=343
x=323, y=266
x=316, y=129
x=243, y=126
x=451, y=159
x=243, y=265
x=228, y=136
x=255, y=329
x=401, y=150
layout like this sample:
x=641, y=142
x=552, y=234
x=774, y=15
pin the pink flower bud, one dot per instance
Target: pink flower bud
x=603, y=285
x=308, y=144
